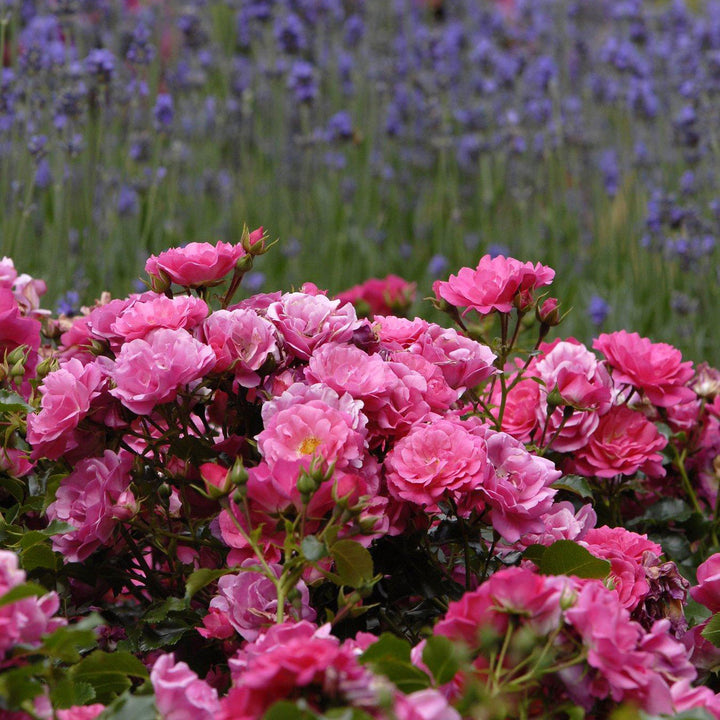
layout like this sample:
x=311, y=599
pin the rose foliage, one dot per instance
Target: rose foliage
x=281, y=506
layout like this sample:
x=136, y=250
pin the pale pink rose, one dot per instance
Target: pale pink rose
x=307, y=321
x=493, y=285
x=141, y=317
x=28, y=291
x=94, y=498
x=583, y=383
x=8, y=273
x=656, y=369
x=391, y=295
x=101, y=320
x=429, y=704
x=397, y=333
x=624, y=442
x=150, y=370
x=249, y=601
x=626, y=551
x=438, y=459
x=24, y=621
x=242, y=342
x=436, y=393
x=464, y=362
x=194, y=265
x=562, y=523
x=517, y=490
x=707, y=591
x=180, y=694
x=67, y=397
x=312, y=429
x=81, y=712
x=684, y=417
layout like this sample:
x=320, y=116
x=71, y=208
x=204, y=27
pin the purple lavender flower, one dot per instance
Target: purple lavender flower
x=339, y=126
x=302, y=81
x=100, y=63
x=290, y=34
x=598, y=310
x=164, y=111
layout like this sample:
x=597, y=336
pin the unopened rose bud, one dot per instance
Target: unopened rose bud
x=548, y=313
x=306, y=485
x=216, y=479
x=244, y=264
x=523, y=300
x=554, y=399
x=47, y=366
x=238, y=474
x=16, y=355
x=160, y=283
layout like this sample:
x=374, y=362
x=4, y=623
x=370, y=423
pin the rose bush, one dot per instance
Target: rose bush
x=275, y=507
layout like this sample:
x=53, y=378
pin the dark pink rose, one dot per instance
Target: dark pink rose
x=654, y=368
x=707, y=591
x=624, y=442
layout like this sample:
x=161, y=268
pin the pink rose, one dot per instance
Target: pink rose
x=626, y=552
x=243, y=342
x=654, y=368
x=519, y=417
x=94, y=498
x=180, y=694
x=582, y=382
x=517, y=490
x=307, y=321
x=194, y=265
x=81, y=712
x=159, y=312
x=398, y=333
x=249, y=601
x=391, y=295
x=150, y=370
x=707, y=591
x=67, y=396
x=624, y=442
x=493, y=285
x=437, y=459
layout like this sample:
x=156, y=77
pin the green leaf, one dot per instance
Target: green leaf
x=12, y=402
x=15, y=487
x=67, y=642
x=18, y=685
x=67, y=693
x=441, y=657
x=131, y=707
x=347, y=714
x=108, y=673
x=159, y=612
x=390, y=656
x=535, y=553
x=39, y=556
x=711, y=632
x=200, y=578
x=387, y=645
x=19, y=592
x=313, y=549
x=286, y=710
x=565, y=557
x=575, y=484
x=353, y=563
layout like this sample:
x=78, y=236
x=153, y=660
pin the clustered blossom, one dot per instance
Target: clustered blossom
x=277, y=444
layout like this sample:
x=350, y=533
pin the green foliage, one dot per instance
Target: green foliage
x=390, y=656
x=565, y=557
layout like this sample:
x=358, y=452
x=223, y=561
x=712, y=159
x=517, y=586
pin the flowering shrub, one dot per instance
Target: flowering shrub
x=275, y=508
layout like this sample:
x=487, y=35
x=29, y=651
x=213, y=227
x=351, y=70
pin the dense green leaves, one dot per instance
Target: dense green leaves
x=565, y=557
x=390, y=656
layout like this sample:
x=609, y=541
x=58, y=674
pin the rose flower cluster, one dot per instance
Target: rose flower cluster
x=242, y=489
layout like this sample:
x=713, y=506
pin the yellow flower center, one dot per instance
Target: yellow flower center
x=308, y=445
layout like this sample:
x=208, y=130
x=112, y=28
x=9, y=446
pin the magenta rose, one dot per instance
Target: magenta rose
x=376, y=296
x=150, y=370
x=195, y=265
x=654, y=368
x=707, y=591
x=435, y=460
x=493, y=285
x=624, y=442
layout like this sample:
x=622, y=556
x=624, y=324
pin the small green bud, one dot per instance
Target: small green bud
x=238, y=473
x=164, y=491
x=306, y=485
x=17, y=355
x=47, y=366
